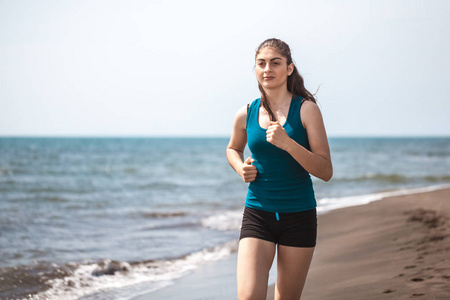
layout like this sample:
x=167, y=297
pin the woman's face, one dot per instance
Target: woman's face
x=272, y=69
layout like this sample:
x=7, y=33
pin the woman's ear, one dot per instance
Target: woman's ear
x=290, y=69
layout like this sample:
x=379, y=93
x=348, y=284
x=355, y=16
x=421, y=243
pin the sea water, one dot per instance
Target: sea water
x=86, y=217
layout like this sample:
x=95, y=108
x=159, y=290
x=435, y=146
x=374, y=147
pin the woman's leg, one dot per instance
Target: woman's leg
x=255, y=257
x=292, y=267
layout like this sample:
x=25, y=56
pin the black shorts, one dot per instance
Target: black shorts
x=295, y=229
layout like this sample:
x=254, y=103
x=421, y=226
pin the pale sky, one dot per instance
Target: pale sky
x=183, y=68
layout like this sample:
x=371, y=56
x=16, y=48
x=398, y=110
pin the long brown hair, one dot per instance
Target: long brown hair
x=295, y=82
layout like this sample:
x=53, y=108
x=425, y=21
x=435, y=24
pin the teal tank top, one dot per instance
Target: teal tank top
x=282, y=184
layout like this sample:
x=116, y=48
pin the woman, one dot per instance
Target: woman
x=286, y=135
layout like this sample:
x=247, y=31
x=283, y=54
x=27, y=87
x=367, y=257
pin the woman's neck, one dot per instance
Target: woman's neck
x=279, y=97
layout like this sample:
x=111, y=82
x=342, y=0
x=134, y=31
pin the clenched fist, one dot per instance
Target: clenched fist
x=249, y=171
x=277, y=136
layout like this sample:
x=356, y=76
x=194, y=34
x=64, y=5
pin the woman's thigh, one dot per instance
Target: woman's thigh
x=292, y=268
x=255, y=257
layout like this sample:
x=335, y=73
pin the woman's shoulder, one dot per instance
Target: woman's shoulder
x=241, y=115
x=310, y=112
x=241, y=112
x=309, y=105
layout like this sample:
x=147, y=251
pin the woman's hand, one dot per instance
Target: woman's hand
x=277, y=136
x=249, y=171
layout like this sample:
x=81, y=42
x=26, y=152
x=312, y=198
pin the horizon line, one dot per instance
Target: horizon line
x=209, y=136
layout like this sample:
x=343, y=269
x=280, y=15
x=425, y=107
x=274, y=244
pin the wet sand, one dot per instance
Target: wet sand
x=395, y=248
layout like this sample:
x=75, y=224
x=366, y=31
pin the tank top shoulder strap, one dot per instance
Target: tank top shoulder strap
x=294, y=111
x=252, y=110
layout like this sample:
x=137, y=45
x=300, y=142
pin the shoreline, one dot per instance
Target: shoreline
x=394, y=248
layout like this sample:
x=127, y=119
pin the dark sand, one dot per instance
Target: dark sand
x=395, y=248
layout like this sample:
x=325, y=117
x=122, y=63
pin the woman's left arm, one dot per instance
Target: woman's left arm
x=317, y=161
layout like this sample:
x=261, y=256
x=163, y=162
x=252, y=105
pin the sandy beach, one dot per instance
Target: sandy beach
x=395, y=248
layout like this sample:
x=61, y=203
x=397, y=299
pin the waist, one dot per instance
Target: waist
x=281, y=198
x=279, y=187
x=282, y=180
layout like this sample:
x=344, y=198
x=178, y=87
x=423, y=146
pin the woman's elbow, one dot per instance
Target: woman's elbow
x=326, y=176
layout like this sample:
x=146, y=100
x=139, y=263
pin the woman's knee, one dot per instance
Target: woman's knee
x=252, y=294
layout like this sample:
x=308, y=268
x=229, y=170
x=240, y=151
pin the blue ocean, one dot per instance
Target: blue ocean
x=105, y=218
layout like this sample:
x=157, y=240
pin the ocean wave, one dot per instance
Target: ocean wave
x=225, y=221
x=163, y=185
x=437, y=178
x=73, y=281
x=328, y=204
x=6, y=171
x=130, y=170
x=61, y=189
x=392, y=178
x=163, y=215
x=443, y=153
x=17, y=282
x=180, y=183
x=55, y=199
x=183, y=225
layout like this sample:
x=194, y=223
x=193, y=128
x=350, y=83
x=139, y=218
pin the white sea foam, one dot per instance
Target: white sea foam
x=224, y=221
x=328, y=204
x=156, y=274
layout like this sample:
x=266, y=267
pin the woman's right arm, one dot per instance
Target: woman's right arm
x=236, y=146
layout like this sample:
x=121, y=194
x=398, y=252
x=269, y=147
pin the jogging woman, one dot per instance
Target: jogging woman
x=285, y=133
